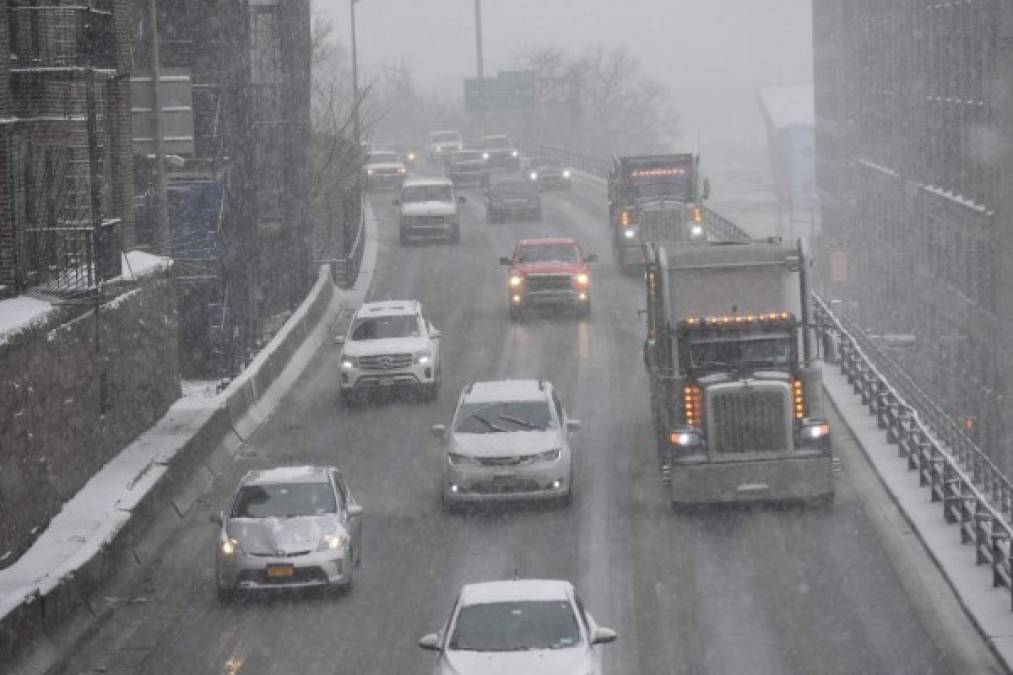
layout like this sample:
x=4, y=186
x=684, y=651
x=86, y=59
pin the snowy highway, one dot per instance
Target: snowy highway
x=732, y=590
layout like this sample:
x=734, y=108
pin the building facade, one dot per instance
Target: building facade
x=914, y=163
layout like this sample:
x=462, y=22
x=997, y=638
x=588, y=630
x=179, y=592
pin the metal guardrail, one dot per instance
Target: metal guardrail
x=70, y=261
x=973, y=492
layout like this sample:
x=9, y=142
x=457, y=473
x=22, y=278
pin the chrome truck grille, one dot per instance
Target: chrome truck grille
x=385, y=362
x=749, y=419
x=549, y=282
x=661, y=225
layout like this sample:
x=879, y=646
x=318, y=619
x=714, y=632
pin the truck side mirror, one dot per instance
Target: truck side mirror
x=706, y=188
x=506, y=261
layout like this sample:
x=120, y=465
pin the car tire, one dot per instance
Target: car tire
x=349, y=398
x=515, y=313
x=226, y=594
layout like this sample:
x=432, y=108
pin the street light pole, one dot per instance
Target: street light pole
x=355, y=81
x=479, y=68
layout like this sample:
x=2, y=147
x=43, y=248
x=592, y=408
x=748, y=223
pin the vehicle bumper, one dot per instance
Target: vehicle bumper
x=243, y=571
x=445, y=230
x=548, y=182
x=571, y=298
x=355, y=379
x=796, y=478
x=468, y=484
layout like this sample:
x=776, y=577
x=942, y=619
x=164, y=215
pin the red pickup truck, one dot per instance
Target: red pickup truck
x=548, y=272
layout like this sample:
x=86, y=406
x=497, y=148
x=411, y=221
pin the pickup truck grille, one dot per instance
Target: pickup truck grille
x=749, y=419
x=661, y=226
x=423, y=221
x=385, y=362
x=549, y=282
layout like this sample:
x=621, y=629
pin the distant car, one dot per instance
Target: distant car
x=522, y=626
x=383, y=169
x=389, y=345
x=288, y=527
x=548, y=272
x=547, y=173
x=508, y=440
x=429, y=210
x=467, y=166
x=499, y=151
x=512, y=198
x=442, y=143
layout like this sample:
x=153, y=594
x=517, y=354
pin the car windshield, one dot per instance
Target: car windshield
x=514, y=190
x=548, y=253
x=515, y=626
x=426, y=193
x=466, y=156
x=546, y=164
x=774, y=352
x=494, y=142
x=384, y=157
x=446, y=137
x=381, y=327
x=484, y=418
x=284, y=500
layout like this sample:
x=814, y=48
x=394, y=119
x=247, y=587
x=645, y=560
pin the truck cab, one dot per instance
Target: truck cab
x=654, y=199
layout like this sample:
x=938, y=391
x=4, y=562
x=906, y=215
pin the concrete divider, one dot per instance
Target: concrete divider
x=132, y=506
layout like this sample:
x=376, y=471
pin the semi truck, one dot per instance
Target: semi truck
x=654, y=199
x=734, y=387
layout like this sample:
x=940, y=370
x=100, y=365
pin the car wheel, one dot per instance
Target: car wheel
x=515, y=313
x=350, y=575
x=225, y=593
x=349, y=398
x=585, y=311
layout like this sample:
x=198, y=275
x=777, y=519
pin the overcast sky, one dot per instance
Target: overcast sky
x=711, y=53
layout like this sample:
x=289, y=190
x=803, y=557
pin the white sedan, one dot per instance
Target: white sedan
x=529, y=626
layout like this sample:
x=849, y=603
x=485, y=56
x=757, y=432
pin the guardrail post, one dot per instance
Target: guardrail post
x=981, y=516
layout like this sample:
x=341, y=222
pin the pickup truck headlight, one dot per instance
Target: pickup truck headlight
x=630, y=233
x=456, y=459
x=549, y=455
x=349, y=362
x=423, y=358
x=332, y=542
x=516, y=281
x=582, y=279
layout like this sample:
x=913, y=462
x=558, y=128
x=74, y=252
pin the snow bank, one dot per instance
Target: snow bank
x=137, y=264
x=20, y=313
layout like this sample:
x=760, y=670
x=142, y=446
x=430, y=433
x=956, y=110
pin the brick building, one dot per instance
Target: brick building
x=66, y=197
x=914, y=163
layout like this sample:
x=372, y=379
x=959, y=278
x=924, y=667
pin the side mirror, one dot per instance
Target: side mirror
x=506, y=261
x=396, y=202
x=706, y=188
x=217, y=518
x=603, y=636
x=591, y=257
x=572, y=425
x=461, y=199
x=339, y=340
x=354, y=510
x=430, y=642
x=438, y=430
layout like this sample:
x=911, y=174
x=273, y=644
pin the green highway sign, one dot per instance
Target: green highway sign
x=510, y=90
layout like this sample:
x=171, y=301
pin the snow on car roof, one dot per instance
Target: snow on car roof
x=412, y=182
x=287, y=474
x=504, y=390
x=515, y=589
x=388, y=308
x=537, y=241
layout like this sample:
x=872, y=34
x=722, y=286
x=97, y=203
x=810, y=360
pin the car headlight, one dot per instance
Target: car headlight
x=333, y=542
x=582, y=279
x=369, y=172
x=423, y=358
x=630, y=233
x=401, y=170
x=485, y=155
x=439, y=149
x=455, y=459
x=349, y=362
x=411, y=156
x=549, y=455
x=516, y=280
x=513, y=153
x=533, y=175
x=566, y=173
x=229, y=546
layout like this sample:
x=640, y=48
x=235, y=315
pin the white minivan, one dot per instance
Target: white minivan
x=429, y=210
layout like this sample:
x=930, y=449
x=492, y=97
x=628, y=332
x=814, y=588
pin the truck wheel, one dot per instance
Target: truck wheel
x=515, y=313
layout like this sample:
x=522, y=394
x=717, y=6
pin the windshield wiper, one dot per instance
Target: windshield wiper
x=486, y=422
x=523, y=423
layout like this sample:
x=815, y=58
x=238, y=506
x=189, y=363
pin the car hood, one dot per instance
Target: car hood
x=383, y=166
x=505, y=444
x=269, y=536
x=386, y=346
x=428, y=209
x=540, y=662
x=549, y=267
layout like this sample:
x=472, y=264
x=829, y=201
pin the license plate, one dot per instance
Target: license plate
x=279, y=571
x=386, y=381
x=504, y=477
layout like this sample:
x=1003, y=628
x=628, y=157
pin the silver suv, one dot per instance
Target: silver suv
x=508, y=440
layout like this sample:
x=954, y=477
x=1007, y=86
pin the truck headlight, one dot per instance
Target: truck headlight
x=582, y=279
x=516, y=281
x=423, y=358
x=348, y=362
x=686, y=437
x=513, y=153
x=229, y=546
x=696, y=231
x=369, y=172
x=566, y=173
x=485, y=155
x=533, y=175
x=332, y=542
x=629, y=233
x=815, y=431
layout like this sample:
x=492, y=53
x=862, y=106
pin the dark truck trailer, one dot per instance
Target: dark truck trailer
x=735, y=392
x=654, y=199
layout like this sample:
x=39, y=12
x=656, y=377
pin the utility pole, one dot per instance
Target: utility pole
x=479, y=69
x=163, y=242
